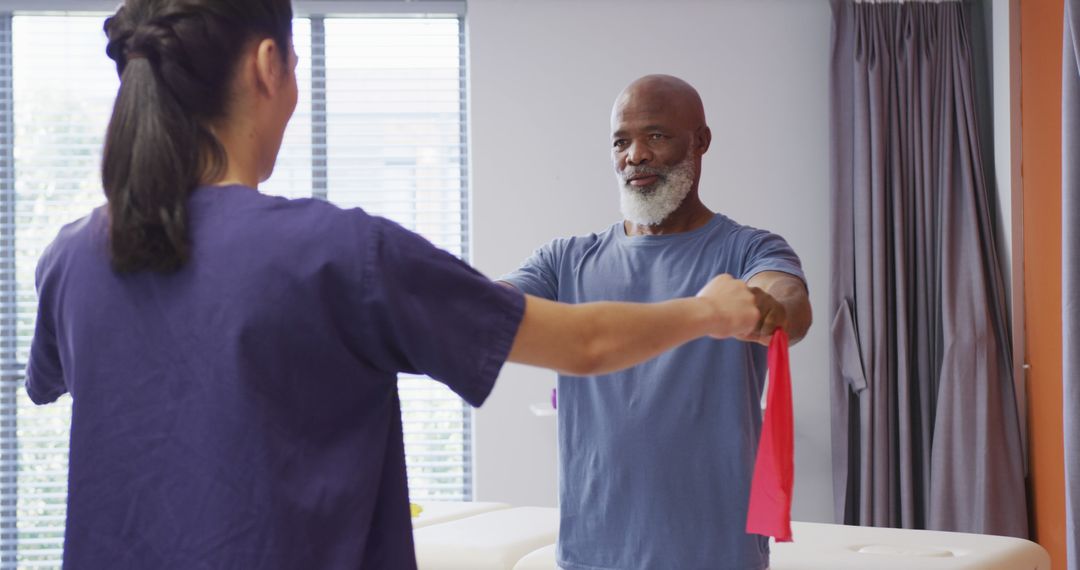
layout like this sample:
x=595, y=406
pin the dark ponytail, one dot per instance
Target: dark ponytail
x=176, y=60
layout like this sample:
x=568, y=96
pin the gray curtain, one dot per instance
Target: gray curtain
x=925, y=428
x=1070, y=269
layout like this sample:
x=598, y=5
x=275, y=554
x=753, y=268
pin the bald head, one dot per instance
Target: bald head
x=661, y=95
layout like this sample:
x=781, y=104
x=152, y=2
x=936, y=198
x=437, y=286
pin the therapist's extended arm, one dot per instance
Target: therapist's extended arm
x=784, y=303
x=595, y=338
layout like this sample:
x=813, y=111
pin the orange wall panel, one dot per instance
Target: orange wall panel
x=1040, y=47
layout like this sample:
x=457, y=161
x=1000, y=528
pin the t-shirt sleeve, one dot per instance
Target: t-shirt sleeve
x=769, y=252
x=430, y=313
x=44, y=373
x=538, y=276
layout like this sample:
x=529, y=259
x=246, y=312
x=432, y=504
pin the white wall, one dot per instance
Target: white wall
x=1000, y=66
x=543, y=74
x=1005, y=74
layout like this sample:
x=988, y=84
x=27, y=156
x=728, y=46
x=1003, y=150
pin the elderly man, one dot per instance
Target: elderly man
x=655, y=468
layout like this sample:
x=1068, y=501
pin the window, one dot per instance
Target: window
x=380, y=124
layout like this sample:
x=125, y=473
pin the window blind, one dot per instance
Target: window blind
x=380, y=124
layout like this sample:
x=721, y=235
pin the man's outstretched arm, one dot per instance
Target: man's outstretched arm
x=783, y=302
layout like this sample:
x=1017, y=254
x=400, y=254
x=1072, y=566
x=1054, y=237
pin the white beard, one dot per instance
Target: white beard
x=653, y=204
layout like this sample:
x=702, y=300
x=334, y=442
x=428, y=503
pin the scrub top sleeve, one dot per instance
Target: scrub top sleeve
x=44, y=374
x=769, y=252
x=430, y=313
x=538, y=275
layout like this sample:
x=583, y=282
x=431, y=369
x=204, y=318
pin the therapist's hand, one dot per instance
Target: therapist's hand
x=734, y=307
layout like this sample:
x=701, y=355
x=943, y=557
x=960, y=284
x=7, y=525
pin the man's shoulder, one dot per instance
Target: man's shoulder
x=578, y=244
x=732, y=231
x=723, y=224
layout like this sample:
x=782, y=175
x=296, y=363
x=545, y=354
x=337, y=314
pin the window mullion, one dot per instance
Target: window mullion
x=319, y=169
x=463, y=140
x=10, y=373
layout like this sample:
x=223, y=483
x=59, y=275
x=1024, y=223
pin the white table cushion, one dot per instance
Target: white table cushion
x=494, y=540
x=542, y=559
x=436, y=512
x=838, y=547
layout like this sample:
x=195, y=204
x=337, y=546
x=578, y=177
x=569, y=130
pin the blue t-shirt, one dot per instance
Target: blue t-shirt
x=656, y=460
x=243, y=412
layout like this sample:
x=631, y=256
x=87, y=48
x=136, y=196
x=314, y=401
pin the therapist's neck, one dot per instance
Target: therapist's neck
x=690, y=215
x=237, y=138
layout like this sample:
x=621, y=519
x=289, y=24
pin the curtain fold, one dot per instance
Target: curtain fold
x=1070, y=270
x=925, y=426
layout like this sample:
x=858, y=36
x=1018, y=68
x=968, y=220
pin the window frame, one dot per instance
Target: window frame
x=301, y=8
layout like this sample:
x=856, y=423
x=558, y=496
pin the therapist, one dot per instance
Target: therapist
x=232, y=356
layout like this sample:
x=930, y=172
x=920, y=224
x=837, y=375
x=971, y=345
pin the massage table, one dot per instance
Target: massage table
x=837, y=547
x=435, y=512
x=501, y=540
x=494, y=539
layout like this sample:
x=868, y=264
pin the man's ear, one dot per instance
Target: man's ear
x=269, y=67
x=704, y=139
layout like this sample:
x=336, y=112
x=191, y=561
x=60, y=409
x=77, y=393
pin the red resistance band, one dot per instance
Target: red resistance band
x=774, y=470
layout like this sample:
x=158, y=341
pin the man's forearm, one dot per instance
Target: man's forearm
x=791, y=293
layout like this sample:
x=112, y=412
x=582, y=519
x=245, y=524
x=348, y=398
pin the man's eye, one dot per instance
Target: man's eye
x=620, y=143
x=656, y=136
